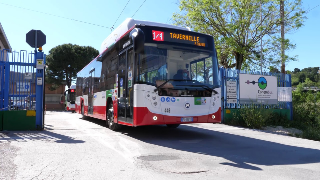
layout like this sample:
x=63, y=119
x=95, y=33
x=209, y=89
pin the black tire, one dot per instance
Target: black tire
x=110, y=117
x=173, y=125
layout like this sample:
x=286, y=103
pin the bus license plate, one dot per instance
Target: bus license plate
x=186, y=119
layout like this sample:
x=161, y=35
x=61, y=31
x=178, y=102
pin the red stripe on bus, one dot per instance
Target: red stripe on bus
x=142, y=116
x=126, y=32
x=99, y=112
x=124, y=123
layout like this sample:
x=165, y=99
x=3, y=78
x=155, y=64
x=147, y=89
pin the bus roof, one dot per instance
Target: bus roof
x=125, y=26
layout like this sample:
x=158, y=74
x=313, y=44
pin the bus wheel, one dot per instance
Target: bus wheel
x=172, y=125
x=113, y=126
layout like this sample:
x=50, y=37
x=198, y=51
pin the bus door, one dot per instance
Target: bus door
x=90, y=93
x=125, y=87
x=65, y=99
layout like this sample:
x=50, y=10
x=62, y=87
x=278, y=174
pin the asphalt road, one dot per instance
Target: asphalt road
x=72, y=148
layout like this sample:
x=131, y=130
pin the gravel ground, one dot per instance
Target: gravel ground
x=7, y=155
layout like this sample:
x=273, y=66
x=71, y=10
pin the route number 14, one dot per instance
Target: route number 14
x=157, y=35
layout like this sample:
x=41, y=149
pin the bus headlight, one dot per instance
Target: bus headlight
x=155, y=118
x=213, y=116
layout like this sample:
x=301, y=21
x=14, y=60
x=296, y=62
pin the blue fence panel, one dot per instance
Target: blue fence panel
x=17, y=73
x=2, y=79
x=222, y=77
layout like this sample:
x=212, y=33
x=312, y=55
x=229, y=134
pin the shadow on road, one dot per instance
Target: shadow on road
x=95, y=121
x=45, y=135
x=243, y=152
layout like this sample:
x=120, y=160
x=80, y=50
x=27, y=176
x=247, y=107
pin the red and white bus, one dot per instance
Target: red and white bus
x=150, y=73
x=70, y=97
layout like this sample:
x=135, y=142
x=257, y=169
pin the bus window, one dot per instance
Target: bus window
x=152, y=65
x=201, y=71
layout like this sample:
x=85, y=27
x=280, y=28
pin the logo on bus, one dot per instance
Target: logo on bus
x=187, y=105
x=126, y=44
x=158, y=35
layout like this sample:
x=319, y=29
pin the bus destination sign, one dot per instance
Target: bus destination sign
x=179, y=38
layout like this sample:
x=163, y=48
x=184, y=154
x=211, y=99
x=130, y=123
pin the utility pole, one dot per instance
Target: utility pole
x=261, y=55
x=283, y=66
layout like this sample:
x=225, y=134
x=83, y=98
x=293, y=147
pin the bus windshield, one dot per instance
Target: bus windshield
x=178, y=71
x=71, y=96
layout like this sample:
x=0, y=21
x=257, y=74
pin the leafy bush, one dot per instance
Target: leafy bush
x=253, y=116
x=312, y=133
x=306, y=114
x=278, y=119
x=235, y=120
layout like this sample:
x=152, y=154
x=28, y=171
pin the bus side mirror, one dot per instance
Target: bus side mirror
x=137, y=36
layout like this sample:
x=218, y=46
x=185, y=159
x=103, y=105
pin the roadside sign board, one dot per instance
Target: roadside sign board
x=256, y=88
x=40, y=64
x=28, y=76
x=231, y=91
x=31, y=38
x=23, y=87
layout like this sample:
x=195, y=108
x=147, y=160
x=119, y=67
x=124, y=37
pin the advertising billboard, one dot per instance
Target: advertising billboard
x=258, y=89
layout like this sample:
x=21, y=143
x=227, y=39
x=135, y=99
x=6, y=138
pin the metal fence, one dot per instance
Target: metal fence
x=283, y=85
x=18, y=80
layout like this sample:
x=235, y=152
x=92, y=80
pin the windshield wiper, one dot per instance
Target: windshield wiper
x=204, y=87
x=209, y=89
x=195, y=85
x=168, y=81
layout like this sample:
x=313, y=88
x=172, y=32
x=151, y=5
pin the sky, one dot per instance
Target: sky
x=18, y=17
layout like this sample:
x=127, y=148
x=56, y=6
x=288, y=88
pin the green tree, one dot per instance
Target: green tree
x=308, y=83
x=300, y=87
x=296, y=70
x=311, y=73
x=64, y=61
x=236, y=26
x=302, y=77
x=274, y=69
